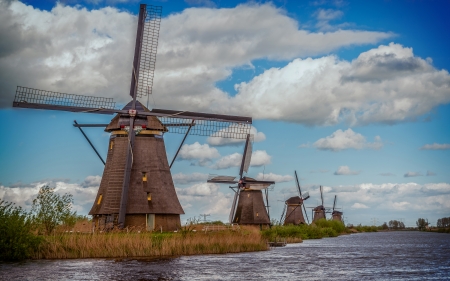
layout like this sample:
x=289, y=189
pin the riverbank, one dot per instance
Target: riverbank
x=147, y=244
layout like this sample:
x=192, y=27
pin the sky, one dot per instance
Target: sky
x=353, y=95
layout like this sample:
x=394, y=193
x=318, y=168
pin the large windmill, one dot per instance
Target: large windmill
x=137, y=187
x=248, y=205
x=336, y=215
x=292, y=212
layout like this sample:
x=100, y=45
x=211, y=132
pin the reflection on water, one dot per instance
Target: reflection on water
x=368, y=256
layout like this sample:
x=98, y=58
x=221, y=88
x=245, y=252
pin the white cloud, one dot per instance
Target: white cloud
x=83, y=194
x=216, y=141
x=205, y=198
x=328, y=14
x=341, y=140
x=274, y=177
x=181, y=178
x=200, y=152
x=359, y=206
x=436, y=146
x=71, y=49
x=412, y=174
x=232, y=160
x=387, y=174
x=400, y=205
x=345, y=170
x=201, y=189
x=387, y=84
x=259, y=158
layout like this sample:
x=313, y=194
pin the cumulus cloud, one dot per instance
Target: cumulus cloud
x=201, y=189
x=387, y=84
x=412, y=174
x=71, y=49
x=217, y=141
x=345, y=170
x=274, y=177
x=259, y=158
x=83, y=194
x=436, y=146
x=359, y=206
x=205, y=198
x=181, y=178
x=341, y=140
x=199, y=152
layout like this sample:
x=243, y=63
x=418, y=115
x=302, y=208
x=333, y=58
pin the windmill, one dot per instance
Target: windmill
x=137, y=187
x=336, y=215
x=292, y=212
x=319, y=212
x=248, y=204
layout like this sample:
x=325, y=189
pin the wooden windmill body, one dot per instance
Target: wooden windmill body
x=137, y=189
x=250, y=205
x=293, y=213
x=336, y=215
x=319, y=212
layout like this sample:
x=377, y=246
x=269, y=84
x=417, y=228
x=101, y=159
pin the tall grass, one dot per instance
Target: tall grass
x=297, y=233
x=126, y=245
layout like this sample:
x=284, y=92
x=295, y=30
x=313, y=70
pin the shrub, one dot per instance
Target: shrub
x=17, y=242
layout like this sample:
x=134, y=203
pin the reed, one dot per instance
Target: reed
x=128, y=245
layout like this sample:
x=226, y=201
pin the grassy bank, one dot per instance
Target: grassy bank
x=297, y=233
x=128, y=245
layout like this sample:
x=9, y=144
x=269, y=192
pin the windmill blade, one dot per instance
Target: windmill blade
x=282, y=214
x=206, y=124
x=258, y=185
x=233, y=206
x=222, y=179
x=40, y=99
x=306, y=214
x=89, y=141
x=248, y=154
x=148, y=43
x=334, y=204
x=244, y=156
x=321, y=194
x=298, y=185
x=181, y=144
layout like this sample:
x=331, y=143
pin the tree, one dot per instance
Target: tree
x=421, y=224
x=384, y=226
x=16, y=239
x=51, y=209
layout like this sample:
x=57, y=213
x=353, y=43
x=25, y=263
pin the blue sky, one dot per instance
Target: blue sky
x=353, y=95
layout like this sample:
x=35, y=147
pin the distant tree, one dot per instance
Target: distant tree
x=421, y=224
x=443, y=222
x=385, y=226
x=50, y=209
x=395, y=224
x=16, y=237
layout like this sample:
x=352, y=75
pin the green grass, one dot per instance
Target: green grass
x=322, y=228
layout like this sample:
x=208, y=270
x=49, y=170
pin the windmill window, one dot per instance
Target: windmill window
x=144, y=176
x=257, y=214
x=149, y=196
x=248, y=195
x=111, y=144
x=99, y=199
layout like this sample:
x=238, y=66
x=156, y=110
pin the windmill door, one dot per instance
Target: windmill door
x=150, y=222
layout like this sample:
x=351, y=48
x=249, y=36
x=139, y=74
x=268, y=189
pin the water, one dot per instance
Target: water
x=364, y=256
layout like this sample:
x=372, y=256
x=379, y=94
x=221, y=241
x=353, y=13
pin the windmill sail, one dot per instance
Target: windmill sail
x=149, y=45
x=248, y=154
x=233, y=207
